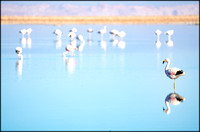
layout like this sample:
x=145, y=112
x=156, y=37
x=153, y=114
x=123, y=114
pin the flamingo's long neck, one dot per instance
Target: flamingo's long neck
x=20, y=56
x=167, y=66
x=168, y=110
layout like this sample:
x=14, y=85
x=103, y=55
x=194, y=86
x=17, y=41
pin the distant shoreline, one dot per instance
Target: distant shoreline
x=62, y=20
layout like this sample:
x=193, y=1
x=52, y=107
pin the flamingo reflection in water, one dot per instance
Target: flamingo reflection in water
x=70, y=62
x=103, y=45
x=174, y=99
x=158, y=43
x=170, y=42
x=19, y=63
x=29, y=42
x=121, y=44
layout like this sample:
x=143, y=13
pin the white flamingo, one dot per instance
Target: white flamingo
x=90, y=30
x=114, y=33
x=70, y=48
x=18, y=50
x=23, y=32
x=172, y=73
x=121, y=34
x=73, y=30
x=174, y=99
x=170, y=42
x=58, y=33
x=29, y=31
x=82, y=42
x=102, y=31
x=72, y=35
x=158, y=43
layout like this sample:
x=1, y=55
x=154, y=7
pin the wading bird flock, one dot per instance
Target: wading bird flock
x=77, y=42
x=172, y=73
x=169, y=42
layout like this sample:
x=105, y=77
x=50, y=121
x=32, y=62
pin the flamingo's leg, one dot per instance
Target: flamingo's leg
x=174, y=86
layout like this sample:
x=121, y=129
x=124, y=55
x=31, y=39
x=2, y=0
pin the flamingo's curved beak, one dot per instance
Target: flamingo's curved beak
x=164, y=61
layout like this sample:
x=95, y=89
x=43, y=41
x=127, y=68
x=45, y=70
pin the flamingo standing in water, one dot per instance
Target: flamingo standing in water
x=82, y=42
x=90, y=30
x=158, y=43
x=72, y=35
x=18, y=50
x=170, y=42
x=174, y=99
x=121, y=34
x=114, y=33
x=58, y=33
x=23, y=32
x=102, y=31
x=73, y=30
x=70, y=48
x=172, y=73
x=29, y=31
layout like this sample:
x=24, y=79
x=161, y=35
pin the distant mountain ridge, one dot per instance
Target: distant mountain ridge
x=97, y=10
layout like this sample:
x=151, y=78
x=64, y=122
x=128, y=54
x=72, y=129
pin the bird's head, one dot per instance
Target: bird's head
x=167, y=111
x=166, y=60
x=18, y=50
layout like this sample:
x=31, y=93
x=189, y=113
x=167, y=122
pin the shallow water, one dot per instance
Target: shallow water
x=99, y=88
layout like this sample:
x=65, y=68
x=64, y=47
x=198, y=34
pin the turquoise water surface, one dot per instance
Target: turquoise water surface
x=99, y=88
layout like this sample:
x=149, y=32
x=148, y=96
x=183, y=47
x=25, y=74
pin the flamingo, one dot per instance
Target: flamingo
x=80, y=38
x=169, y=42
x=80, y=47
x=172, y=73
x=121, y=34
x=29, y=31
x=158, y=43
x=58, y=33
x=102, y=31
x=23, y=32
x=18, y=50
x=72, y=35
x=73, y=30
x=90, y=30
x=70, y=48
x=174, y=99
x=114, y=33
